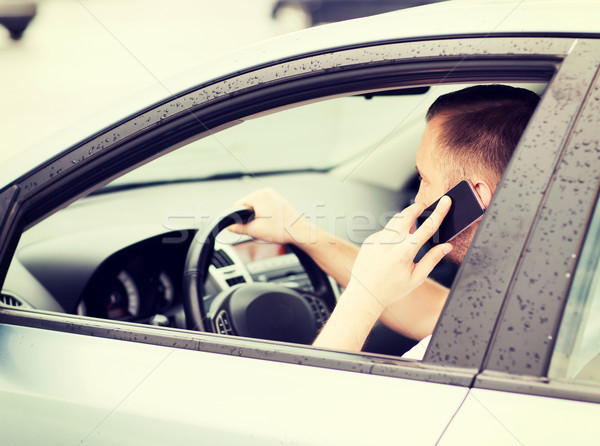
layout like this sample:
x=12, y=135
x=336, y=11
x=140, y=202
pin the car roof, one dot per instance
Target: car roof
x=457, y=18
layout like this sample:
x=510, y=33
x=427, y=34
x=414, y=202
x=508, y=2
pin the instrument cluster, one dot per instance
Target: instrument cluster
x=138, y=284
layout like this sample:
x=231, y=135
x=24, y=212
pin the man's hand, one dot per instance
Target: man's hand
x=385, y=265
x=275, y=219
x=384, y=271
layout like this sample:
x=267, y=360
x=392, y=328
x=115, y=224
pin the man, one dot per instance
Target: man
x=470, y=134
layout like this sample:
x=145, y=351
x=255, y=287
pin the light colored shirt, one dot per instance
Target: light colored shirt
x=418, y=351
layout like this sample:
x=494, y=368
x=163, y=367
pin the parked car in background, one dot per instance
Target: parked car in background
x=16, y=17
x=315, y=12
x=103, y=229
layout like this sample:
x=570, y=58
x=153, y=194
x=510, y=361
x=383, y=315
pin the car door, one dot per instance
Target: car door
x=540, y=380
x=68, y=378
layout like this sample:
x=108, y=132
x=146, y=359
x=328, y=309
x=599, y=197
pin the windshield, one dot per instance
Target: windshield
x=320, y=136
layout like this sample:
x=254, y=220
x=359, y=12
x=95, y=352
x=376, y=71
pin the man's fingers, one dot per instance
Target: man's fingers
x=430, y=260
x=238, y=228
x=433, y=221
x=243, y=202
x=403, y=221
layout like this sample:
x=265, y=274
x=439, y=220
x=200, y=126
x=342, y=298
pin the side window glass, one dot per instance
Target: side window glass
x=577, y=352
x=119, y=253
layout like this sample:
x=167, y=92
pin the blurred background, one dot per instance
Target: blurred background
x=63, y=60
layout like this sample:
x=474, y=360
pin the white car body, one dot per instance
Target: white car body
x=68, y=379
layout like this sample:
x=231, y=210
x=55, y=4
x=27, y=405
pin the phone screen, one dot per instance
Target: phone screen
x=465, y=210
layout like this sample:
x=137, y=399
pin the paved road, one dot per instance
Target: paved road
x=79, y=56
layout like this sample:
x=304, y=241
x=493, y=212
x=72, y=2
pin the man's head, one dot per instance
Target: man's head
x=471, y=134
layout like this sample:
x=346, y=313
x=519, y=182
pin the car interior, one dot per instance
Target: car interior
x=347, y=163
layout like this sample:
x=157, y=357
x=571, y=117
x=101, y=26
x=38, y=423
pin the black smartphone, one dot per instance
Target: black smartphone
x=465, y=210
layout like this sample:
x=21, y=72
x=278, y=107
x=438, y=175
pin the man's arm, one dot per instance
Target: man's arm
x=333, y=255
x=416, y=315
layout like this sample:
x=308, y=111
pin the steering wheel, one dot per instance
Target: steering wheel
x=256, y=310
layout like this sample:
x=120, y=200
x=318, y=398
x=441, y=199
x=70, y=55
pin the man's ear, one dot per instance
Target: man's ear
x=484, y=190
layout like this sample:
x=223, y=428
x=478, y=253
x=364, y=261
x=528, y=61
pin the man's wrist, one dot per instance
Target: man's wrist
x=300, y=233
x=351, y=322
x=361, y=302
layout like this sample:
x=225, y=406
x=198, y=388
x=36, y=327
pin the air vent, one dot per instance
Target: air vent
x=221, y=259
x=235, y=280
x=222, y=324
x=319, y=308
x=7, y=300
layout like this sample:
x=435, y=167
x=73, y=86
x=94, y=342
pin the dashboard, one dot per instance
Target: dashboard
x=143, y=282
